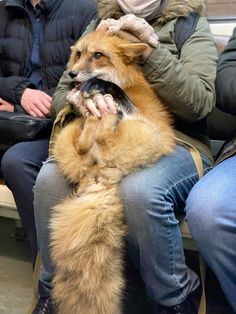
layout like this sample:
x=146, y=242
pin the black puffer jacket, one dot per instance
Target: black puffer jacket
x=226, y=77
x=66, y=20
x=226, y=90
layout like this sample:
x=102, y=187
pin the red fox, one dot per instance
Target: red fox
x=94, y=154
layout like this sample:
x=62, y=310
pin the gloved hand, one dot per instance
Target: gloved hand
x=137, y=26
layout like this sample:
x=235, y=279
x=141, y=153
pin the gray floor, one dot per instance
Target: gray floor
x=16, y=285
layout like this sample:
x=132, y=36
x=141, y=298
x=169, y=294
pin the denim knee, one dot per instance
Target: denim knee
x=23, y=161
x=11, y=164
x=201, y=215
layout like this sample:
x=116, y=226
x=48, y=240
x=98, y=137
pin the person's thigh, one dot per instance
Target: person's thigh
x=32, y=152
x=151, y=199
x=215, y=192
x=211, y=215
x=20, y=166
x=50, y=188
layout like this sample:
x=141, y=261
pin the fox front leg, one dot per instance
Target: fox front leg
x=86, y=139
x=107, y=127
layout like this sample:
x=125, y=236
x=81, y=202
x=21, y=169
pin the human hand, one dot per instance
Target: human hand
x=98, y=105
x=101, y=105
x=6, y=106
x=36, y=102
x=136, y=26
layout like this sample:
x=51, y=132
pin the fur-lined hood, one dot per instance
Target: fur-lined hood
x=170, y=9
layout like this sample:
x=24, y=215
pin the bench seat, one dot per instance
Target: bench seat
x=7, y=203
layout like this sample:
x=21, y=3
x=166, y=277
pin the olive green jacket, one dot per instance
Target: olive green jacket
x=185, y=84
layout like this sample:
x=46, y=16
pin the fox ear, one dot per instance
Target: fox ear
x=132, y=51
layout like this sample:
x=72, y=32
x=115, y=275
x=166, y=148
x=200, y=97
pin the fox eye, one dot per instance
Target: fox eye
x=78, y=54
x=97, y=55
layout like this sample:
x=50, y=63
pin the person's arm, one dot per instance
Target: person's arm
x=186, y=85
x=18, y=92
x=226, y=77
x=59, y=97
x=12, y=88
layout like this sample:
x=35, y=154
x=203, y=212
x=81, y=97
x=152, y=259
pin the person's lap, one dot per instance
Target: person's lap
x=151, y=197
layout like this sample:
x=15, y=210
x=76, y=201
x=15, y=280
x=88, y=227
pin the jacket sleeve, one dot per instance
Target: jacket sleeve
x=226, y=77
x=12, y=88
x=59, y=97
x=186, y=85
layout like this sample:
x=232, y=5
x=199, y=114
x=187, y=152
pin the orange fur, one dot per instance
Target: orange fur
x=88, y=228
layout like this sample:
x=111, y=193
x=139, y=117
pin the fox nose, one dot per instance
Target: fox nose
x=73, y=74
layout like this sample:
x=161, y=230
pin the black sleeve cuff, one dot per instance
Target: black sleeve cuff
x=20, y=89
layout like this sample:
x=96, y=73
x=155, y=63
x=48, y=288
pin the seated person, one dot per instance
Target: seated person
x=35, y=40
x=151, y=197
x=211, y=205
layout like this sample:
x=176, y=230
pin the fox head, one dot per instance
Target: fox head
x=104, y=56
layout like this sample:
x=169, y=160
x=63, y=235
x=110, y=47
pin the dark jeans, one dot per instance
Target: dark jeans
x=1, y=174
x=20, y=166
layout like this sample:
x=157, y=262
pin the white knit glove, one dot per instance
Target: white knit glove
x=133, y=24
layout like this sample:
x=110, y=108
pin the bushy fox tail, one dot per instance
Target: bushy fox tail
x=87, y=240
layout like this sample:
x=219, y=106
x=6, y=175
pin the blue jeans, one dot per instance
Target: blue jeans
x=50, y=188
x=20, y=166
x=151, y=198
x=211, y=215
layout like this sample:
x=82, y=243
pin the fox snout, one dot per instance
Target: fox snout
x=73, y=74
